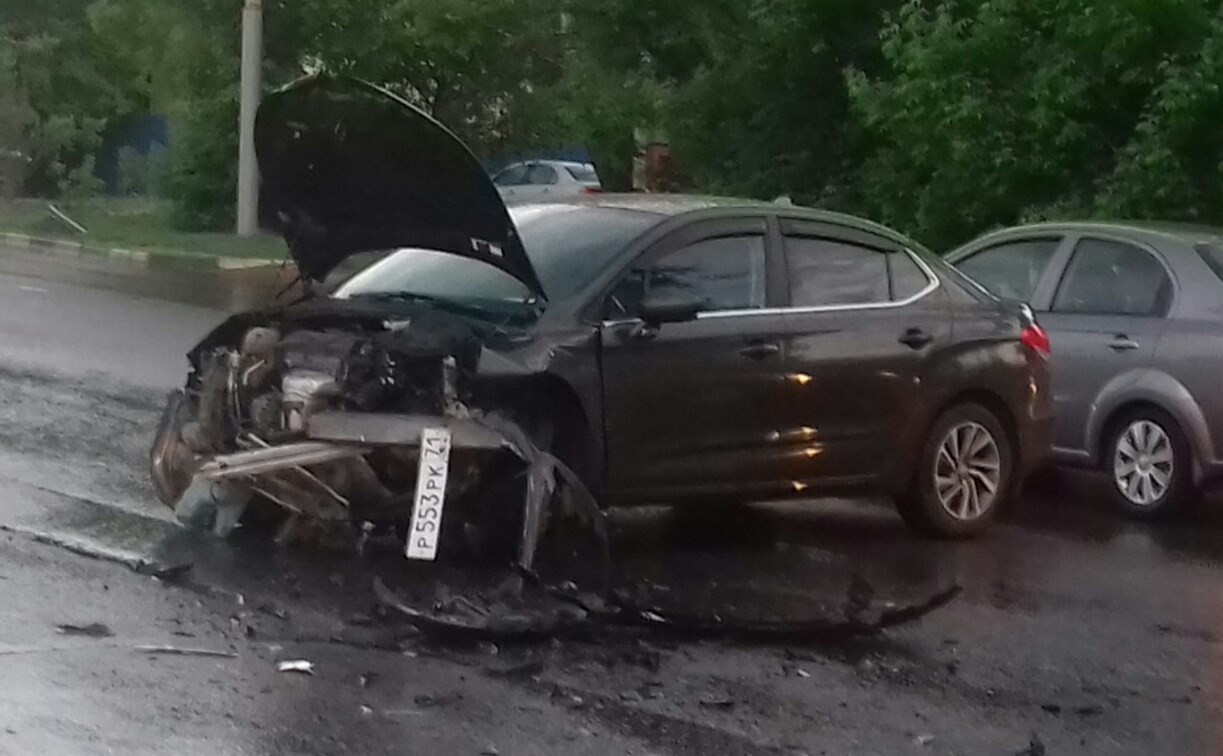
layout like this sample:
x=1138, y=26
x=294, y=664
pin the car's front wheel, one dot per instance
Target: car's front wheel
x=964, y=475
x=1149, y=462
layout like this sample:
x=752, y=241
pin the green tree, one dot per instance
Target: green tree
x=992, y=111
x=750, y=94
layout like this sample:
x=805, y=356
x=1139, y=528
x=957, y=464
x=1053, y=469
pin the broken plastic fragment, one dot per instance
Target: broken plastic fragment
x=301, y=666
x=181, y=651
x=92, y=630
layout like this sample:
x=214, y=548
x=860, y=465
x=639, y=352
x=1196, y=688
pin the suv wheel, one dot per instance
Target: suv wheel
x=964, y=475
x=1150, y=465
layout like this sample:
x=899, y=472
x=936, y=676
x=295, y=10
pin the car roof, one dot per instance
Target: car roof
x=667, y=205
x=1189, y=233
x=549, y=161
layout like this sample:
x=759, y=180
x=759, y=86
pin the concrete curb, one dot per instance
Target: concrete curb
x=62, y=247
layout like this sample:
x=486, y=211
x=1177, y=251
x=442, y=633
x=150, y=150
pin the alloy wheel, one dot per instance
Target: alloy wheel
x=967, y=471
x=1143, y=461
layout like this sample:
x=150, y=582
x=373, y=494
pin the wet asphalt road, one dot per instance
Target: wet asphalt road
x=1076, y=631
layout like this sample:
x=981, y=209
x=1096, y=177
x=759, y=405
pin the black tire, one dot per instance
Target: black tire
x=1178, y=492
x=922, y=507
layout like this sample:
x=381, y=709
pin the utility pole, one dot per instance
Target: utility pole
x=251, y=88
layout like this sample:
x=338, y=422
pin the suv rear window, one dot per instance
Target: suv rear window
x=584, y=173
x=1213, y=255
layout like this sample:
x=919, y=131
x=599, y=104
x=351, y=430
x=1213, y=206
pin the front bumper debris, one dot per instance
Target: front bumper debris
x=327, y=476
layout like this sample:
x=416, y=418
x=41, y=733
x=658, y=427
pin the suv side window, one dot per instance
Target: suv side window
x=1112, y=278
x=512, y=176
x=1013, y=269
x=541, y=174
x=824, y=272
x=725, y=273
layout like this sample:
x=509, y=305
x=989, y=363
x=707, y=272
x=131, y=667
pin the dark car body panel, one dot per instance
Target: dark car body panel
x=1106, y=363
x=348, y=167
x=701, y=410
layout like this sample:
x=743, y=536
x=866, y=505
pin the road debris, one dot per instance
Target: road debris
x=718, y=702
x=301, y=666
x=92, y=630
x=1035, y=748
x=538, y=618
x=167, y=573
x=184, y=651
x=525, y=670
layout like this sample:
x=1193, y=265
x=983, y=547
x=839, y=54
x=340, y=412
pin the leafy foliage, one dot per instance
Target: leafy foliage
x=940, y=117
x=992, y=111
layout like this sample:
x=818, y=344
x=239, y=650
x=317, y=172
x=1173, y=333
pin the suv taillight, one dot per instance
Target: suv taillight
x=1035, y=338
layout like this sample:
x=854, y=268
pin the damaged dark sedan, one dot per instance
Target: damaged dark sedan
x=618, y=349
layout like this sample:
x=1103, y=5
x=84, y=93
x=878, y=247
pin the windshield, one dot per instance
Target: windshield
x=568, y=245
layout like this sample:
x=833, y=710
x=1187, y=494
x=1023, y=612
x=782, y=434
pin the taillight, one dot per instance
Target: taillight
x=592, y=190
x=1035, y=338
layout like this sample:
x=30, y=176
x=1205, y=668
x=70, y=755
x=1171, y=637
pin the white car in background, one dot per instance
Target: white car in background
x=536, y=179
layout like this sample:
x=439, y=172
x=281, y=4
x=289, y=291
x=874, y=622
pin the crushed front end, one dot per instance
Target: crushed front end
x=322, y=413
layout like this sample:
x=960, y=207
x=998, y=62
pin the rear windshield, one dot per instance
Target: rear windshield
x=584, y=173
x=1213, y=255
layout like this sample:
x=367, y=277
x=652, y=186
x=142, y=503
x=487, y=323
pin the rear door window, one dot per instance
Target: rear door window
x=825, y=272
x=908, y=279
x=1013, y=269
x=541, y=174
x=1113, y=278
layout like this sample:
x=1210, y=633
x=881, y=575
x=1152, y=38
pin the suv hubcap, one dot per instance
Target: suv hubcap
x=1142, y=463
x=967, y=471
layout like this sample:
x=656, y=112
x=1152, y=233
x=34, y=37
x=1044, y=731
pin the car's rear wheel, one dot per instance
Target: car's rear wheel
x=1149, y=464
x=964, y=476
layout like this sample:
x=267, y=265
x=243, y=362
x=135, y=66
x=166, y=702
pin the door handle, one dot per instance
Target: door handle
x=915, y=338
x=1123, y=343
x=760, y=350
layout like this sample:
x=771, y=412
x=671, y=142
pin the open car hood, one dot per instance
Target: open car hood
x=348, y=167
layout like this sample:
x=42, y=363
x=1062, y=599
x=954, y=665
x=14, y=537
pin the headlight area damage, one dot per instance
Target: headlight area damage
x=325, y=417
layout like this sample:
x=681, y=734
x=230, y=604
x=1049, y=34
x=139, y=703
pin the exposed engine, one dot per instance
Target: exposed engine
x=272, y=383
x=257, y=398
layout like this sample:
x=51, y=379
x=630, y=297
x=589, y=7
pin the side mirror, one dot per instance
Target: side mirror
x=668, y=305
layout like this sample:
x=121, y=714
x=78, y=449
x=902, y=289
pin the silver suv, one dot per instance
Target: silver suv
x=1134, y=312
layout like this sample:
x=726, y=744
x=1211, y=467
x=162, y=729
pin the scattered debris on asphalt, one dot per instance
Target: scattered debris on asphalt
x=167, y=573
x=183, y=651
x=525, y=670
x=301, y=666
x=547, y=612
x=1035, y=748
x=718, y=702
x=92, y=630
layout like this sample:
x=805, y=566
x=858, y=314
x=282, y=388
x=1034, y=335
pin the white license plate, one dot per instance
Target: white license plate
x=430, y=496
